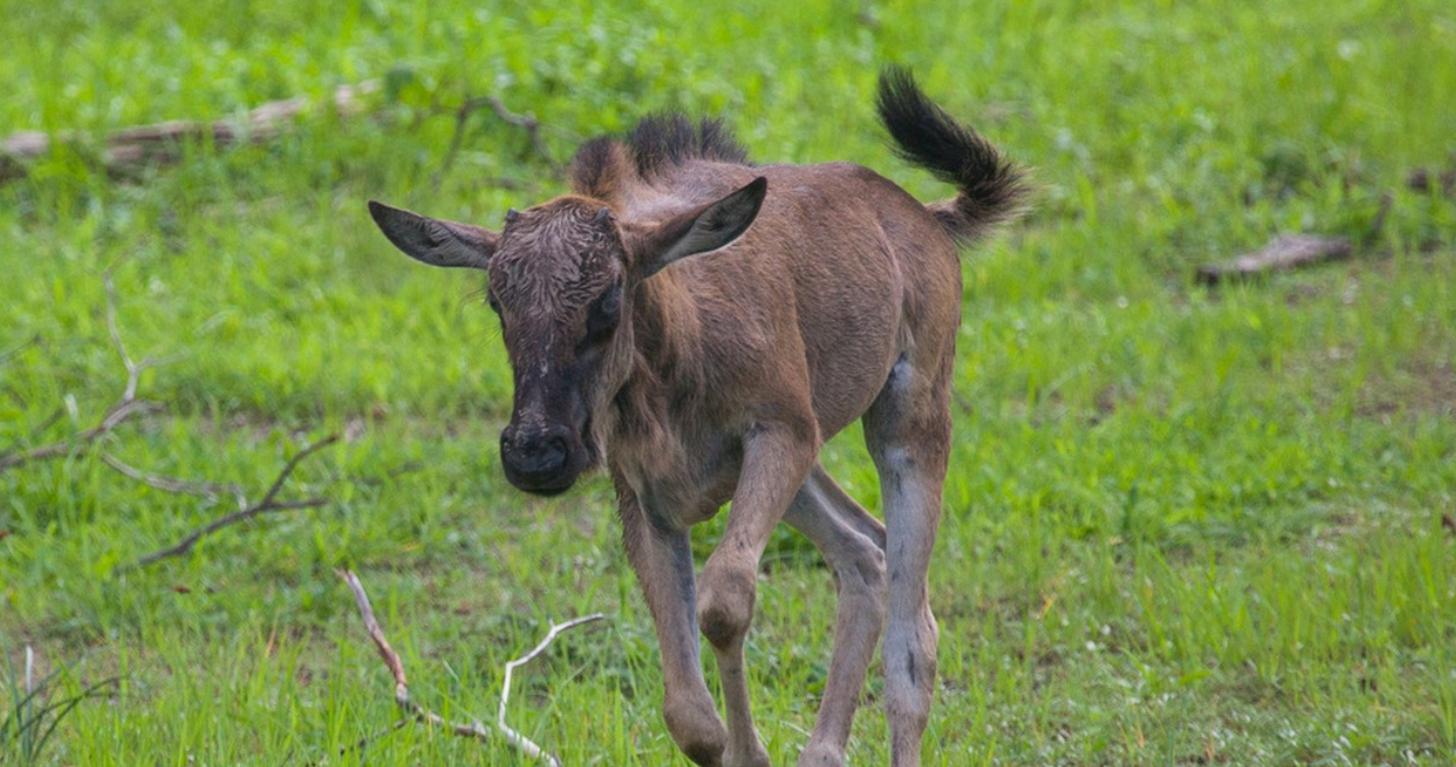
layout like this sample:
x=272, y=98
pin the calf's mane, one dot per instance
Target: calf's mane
x=656, y=145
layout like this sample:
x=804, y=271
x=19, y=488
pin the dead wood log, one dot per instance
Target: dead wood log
x=128, y=150
x=1287, y=251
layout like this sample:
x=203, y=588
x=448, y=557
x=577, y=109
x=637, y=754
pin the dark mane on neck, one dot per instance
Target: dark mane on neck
x=655, y=145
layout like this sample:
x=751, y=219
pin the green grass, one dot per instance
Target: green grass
x=1182, y=526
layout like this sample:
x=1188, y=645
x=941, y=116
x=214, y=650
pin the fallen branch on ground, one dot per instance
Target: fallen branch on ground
x=1289, y=251
x=129, y=149
x=269, y=503
x=515, y=738
x=209, y=490
x=129, y=405
x=416, y=712
x=125, y=407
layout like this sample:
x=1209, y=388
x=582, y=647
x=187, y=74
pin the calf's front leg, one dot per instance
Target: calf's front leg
x=663, y=561
x=776, y=459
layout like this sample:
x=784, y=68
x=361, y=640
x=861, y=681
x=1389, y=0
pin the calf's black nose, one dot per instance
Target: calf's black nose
x=535, y=457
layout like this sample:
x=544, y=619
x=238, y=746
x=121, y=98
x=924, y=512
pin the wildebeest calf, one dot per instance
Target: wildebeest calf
x=701, y=325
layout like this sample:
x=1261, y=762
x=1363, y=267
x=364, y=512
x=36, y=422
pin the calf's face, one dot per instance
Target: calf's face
x=557, y=282
x=562, y=278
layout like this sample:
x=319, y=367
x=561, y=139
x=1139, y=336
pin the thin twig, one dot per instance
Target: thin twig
x=50, y=420
x=268, y=503
x=209, y=490
x=520, y=741
x=416, y=712
x=125, y=407
x=391, y=660
x=38, y=429
x=133, y=370
x=526, y=122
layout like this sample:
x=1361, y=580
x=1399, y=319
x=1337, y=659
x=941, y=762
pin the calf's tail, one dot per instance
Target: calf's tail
x=991, y=188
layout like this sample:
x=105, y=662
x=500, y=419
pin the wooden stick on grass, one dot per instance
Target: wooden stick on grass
x=124, y=408
x=416, y=712
x=268, y=503
x=1288, y=251
x=130, y=149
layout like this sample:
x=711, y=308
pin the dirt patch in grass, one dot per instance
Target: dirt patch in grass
x=1420, y=386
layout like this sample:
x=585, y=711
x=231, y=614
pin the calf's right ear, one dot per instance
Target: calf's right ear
x=707, y=227
x=435, y=241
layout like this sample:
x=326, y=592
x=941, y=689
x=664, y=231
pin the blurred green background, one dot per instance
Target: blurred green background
x=1183, y=526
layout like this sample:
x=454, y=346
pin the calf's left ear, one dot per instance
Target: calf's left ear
x=699, y=230
x=435, y=241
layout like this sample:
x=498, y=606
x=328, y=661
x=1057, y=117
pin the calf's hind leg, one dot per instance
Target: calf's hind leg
x=852, y=542
x=907, y=430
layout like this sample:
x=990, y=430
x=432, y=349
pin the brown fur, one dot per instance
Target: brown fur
x=720, y=375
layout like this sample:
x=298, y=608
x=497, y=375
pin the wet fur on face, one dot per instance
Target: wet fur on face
x=556, y=283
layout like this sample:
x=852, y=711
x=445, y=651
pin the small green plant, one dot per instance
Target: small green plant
x=36, y=709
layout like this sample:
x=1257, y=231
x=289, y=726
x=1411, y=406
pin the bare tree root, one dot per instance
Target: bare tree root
x=124, y=408
x=1289, y=251
x=268, y=503
x=414, y=711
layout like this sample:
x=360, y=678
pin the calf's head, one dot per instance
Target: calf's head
x=562, y=279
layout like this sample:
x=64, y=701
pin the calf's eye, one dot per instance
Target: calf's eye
x=601, y=318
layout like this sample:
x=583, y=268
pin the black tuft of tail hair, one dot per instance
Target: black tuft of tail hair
x=991, y=187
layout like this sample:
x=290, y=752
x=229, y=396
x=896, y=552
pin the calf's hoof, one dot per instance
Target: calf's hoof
x=697, y=730
x=821, y=755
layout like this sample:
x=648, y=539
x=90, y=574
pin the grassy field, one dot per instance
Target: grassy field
x=1183, y=526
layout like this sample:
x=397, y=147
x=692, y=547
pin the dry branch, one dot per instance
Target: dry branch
x=129, y=149
x=526, y=122
x=526, y=745
x=125, y=407
x=1289, y=251
x=268, y=503
x=209, y=490
x=416, y=712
